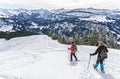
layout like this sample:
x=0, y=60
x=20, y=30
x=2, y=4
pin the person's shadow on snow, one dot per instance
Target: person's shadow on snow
x=73, y=63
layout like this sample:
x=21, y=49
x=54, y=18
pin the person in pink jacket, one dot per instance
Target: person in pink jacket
x=72, y=51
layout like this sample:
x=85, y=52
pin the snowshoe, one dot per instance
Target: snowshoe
x=95, y=67
x=102, y=71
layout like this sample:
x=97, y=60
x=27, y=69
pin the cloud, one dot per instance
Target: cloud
x=54, y=4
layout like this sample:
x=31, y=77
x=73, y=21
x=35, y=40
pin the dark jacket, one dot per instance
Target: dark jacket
x=99, y=50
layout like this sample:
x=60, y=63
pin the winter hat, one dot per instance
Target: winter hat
x=72, y=42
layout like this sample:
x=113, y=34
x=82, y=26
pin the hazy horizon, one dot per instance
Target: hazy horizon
x=57, y=4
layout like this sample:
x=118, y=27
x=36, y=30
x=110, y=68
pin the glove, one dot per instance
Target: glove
x=91, y=54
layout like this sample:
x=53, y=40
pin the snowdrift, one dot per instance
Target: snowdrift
x=40, y=57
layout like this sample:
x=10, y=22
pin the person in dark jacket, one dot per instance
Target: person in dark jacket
x=72, y=51
x=99, y=58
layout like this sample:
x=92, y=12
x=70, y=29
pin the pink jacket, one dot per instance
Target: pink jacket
x=71, y=48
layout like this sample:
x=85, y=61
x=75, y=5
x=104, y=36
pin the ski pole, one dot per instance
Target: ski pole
x=78, y=54
x=68, y=54
x=89, y=62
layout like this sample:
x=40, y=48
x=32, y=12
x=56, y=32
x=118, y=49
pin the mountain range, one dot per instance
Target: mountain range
x=61, y=21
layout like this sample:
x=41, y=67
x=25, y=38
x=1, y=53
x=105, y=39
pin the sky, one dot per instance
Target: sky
x=56, y=4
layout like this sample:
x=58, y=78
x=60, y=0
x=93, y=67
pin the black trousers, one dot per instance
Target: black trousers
x=74, y=57
x=99, y=60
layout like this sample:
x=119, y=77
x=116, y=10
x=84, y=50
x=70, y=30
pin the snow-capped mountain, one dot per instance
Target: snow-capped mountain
x=60, y=21
x=39, y=57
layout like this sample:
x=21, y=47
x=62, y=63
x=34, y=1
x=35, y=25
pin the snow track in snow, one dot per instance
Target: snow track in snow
x=39, y=57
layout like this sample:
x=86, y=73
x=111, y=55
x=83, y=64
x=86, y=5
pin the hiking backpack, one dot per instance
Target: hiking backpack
x=74, y=48
x=103, y=53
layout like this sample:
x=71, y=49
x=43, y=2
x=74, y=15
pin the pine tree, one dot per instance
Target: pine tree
x=94, y=36
x=104, y=34
x=85, y=38
x=54, y=36
x=76, y=39
x=112, y=41
x=50, y=34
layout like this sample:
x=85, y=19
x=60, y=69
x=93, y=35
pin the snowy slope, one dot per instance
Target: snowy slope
x=97, y=18
x=39, y=57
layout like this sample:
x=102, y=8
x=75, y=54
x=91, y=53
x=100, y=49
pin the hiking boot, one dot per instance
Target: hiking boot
x=102, y=68
x=95, y=66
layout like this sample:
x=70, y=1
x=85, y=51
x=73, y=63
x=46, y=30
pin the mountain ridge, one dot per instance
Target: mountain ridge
x=61, y=21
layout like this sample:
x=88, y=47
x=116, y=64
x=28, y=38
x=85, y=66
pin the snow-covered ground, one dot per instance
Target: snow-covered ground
x=39, y=57
x=99, y=18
